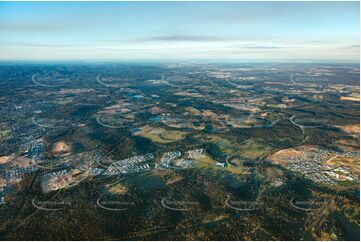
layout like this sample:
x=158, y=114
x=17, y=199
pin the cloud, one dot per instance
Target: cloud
x=39, y=45
x=31, y=27
x=350, y=47
x=261, y=47
x=184, y=38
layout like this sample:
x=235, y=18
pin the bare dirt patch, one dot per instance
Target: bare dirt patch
x=351, y=129
x=61, y=148
x=356, y=99
x=5, y=159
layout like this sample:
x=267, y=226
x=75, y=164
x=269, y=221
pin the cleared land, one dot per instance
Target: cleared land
x=161, y=135
x=356, y=99
x=61, y=148
x=117, y=188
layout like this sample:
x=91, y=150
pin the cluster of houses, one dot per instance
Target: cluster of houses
x=130, y=165
x=312, y=165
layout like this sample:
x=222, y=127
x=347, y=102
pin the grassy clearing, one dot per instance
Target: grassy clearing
x=236, y=167
x=205, y=162
x=253, y=149
x=160, y=135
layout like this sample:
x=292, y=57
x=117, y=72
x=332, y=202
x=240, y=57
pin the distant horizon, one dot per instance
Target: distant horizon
x=161, y=61
x=132, y=31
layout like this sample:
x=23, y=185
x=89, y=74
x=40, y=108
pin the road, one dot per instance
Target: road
x=291, y=79
x=296, y=124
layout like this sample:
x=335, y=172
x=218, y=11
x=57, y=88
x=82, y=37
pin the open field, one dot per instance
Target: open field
x=161, y=135
x=356, y=99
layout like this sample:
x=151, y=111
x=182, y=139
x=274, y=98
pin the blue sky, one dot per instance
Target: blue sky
x=244, y=31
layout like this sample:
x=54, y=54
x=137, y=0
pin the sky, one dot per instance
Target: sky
x=235, y=31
